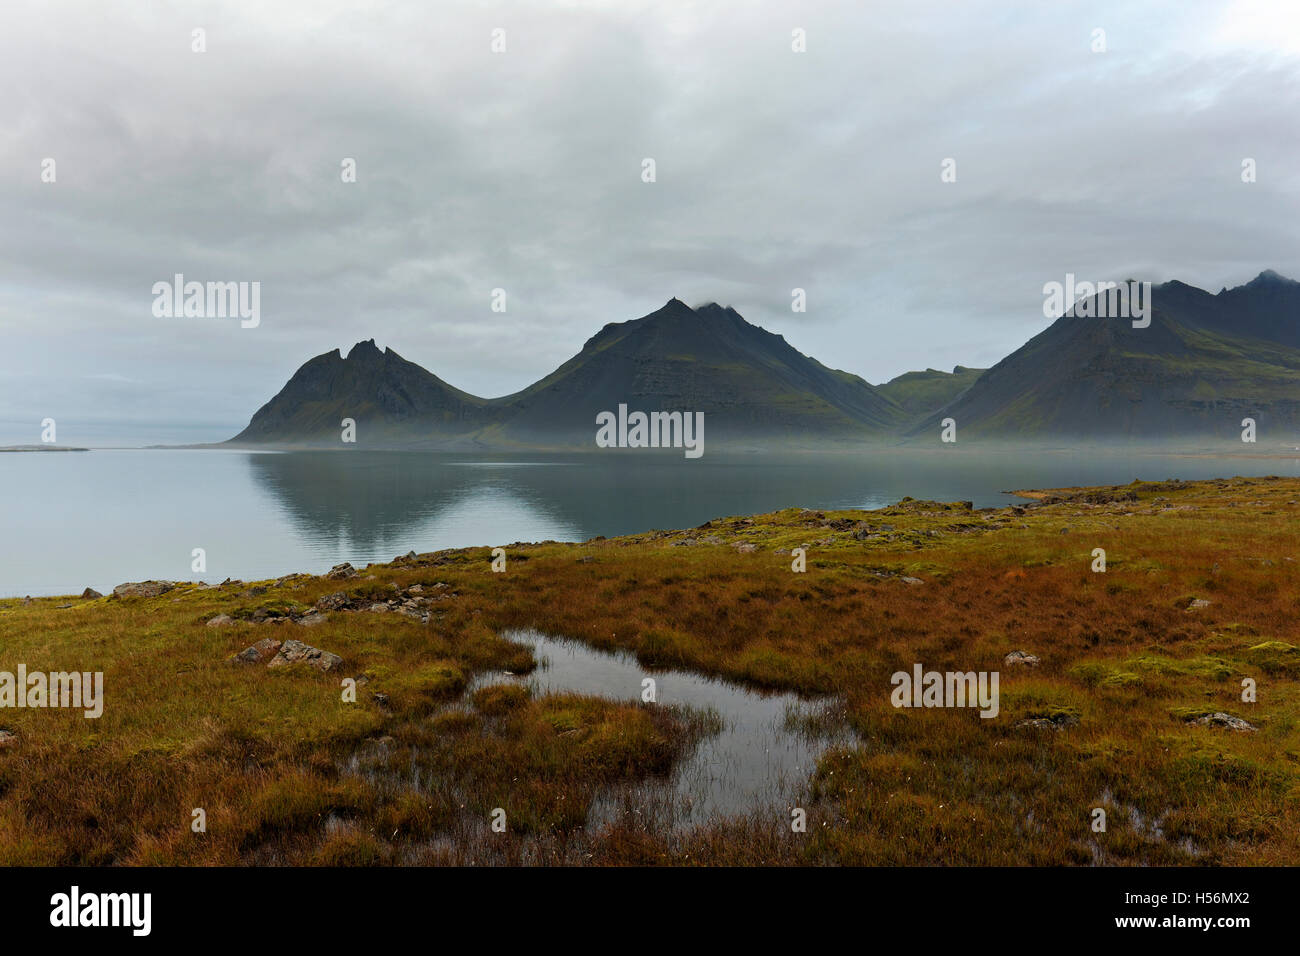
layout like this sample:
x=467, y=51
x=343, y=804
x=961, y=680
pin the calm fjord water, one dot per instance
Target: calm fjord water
x=98, y=518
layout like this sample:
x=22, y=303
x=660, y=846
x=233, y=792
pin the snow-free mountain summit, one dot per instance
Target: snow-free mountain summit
x=1203, y=364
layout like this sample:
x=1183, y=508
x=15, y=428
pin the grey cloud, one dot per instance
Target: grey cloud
x=521, y=171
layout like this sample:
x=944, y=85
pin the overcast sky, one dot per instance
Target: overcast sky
x=522, y=170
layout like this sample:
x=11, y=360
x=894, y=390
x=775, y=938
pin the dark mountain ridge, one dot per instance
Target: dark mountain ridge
x=1205, y=362
x=382, y=389
x=750, y=384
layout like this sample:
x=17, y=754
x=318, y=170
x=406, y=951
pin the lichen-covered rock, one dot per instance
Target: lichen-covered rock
x=293, y=652
x=1022, y=659
x=263, y=650
x=341, y=571
x=332, y=602
x=221, y=620
x=145, y=589
x=1227, y=721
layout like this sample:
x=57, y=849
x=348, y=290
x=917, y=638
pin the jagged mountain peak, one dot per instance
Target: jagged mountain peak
x=1198, y=366
x=1270, y=277
x=709, y=360
x=365, y=349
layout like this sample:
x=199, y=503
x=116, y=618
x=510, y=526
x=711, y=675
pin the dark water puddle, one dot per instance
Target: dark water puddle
x=759, y=762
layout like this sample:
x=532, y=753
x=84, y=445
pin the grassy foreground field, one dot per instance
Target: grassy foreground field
x=288, y=771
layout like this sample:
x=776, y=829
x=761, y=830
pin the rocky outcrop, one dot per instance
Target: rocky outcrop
x=143, y=589
x=264, y=650
x=294, y=652
x=1225, y=721
x=415, y=602
x=1020, y=659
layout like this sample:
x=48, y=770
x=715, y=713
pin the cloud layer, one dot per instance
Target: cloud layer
x=521, y=170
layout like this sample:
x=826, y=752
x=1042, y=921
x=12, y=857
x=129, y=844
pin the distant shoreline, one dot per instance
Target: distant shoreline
x=730, y=452
x=18, y=448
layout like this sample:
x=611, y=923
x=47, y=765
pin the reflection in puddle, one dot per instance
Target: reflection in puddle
x=760, y=761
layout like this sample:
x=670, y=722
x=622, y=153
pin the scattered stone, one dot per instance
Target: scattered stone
x=253, y=592
x=745, y=547
x=311, y=620
x=1021, y=658
x=907, y=580
x=341, y=571
x=1197, y=604
x=292, y=652
x=332, y=602
x=1057, y=722
x=263, y=650
x=378, y=608
x=221, y=620
x=90, y=594
x=145, y=589
x=1226, y=721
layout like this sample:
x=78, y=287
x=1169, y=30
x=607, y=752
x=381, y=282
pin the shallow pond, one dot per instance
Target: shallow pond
x=760, y=761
